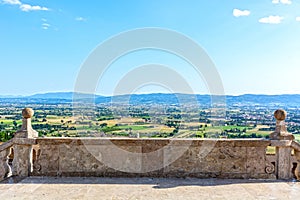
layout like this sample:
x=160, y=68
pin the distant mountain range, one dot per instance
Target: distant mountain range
x=161, y=98
x=53, y=95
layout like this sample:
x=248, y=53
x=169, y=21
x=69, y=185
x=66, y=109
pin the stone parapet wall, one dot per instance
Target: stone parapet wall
x=202, y=158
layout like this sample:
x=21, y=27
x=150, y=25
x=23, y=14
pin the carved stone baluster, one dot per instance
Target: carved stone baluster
x=297, y=170
x=5, y=169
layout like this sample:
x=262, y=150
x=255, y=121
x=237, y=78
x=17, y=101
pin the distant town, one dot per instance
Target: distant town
x=149, y=116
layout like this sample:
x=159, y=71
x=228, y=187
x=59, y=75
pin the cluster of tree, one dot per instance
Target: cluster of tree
x=139, y=113
x=235, y=130
x=172, y=123
x=17, y=117
x=162, y=135
x=267, y=129
x=293, y=129
x=110, y=129
x=173, y=120
x=230, y=135
x=6, y=135
x=103, y=118
x=247, y=135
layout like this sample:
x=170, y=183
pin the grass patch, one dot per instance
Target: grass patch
x=135, y=128
x=297, y=137
x=271, y=150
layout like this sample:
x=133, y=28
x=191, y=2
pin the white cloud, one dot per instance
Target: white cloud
x=271, y=19
x=288, y=2
x=239, y=13
x=27, y=7
x=45, y=26
x=80, y=19
x=298, y=19
x=12, y=2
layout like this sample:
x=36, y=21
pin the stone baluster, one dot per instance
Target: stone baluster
x=297, y=170
x=282, y=140
x=22, y=163
x=296, y=146
x=5, y=169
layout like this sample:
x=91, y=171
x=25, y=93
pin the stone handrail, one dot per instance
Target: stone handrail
x=6, y=145
x=295, y=146
x=202, y=158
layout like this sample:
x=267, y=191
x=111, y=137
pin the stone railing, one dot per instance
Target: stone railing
x=5, y=151
x=202, y=158
x=19, y=149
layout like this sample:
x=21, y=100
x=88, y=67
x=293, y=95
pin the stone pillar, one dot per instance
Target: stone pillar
x=282, y=139
x=22, y=163
x=284, y=166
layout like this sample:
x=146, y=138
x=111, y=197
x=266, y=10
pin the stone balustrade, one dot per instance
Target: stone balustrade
x=5, y=151
x=21, y=146
x=127, y=157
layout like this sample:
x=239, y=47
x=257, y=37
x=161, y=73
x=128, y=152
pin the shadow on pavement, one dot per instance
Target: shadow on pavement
x=158, y=183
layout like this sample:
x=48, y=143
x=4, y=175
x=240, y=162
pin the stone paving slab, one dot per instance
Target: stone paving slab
x=146, y=188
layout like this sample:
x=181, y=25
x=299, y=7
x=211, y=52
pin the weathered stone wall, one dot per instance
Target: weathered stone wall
x=221, y=158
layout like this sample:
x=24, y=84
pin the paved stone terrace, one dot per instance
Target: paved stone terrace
x=146, y=188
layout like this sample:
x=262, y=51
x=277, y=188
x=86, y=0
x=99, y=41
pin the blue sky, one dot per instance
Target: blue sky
x=254, y=44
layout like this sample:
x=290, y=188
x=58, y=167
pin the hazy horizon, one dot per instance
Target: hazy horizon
x=61, y=92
